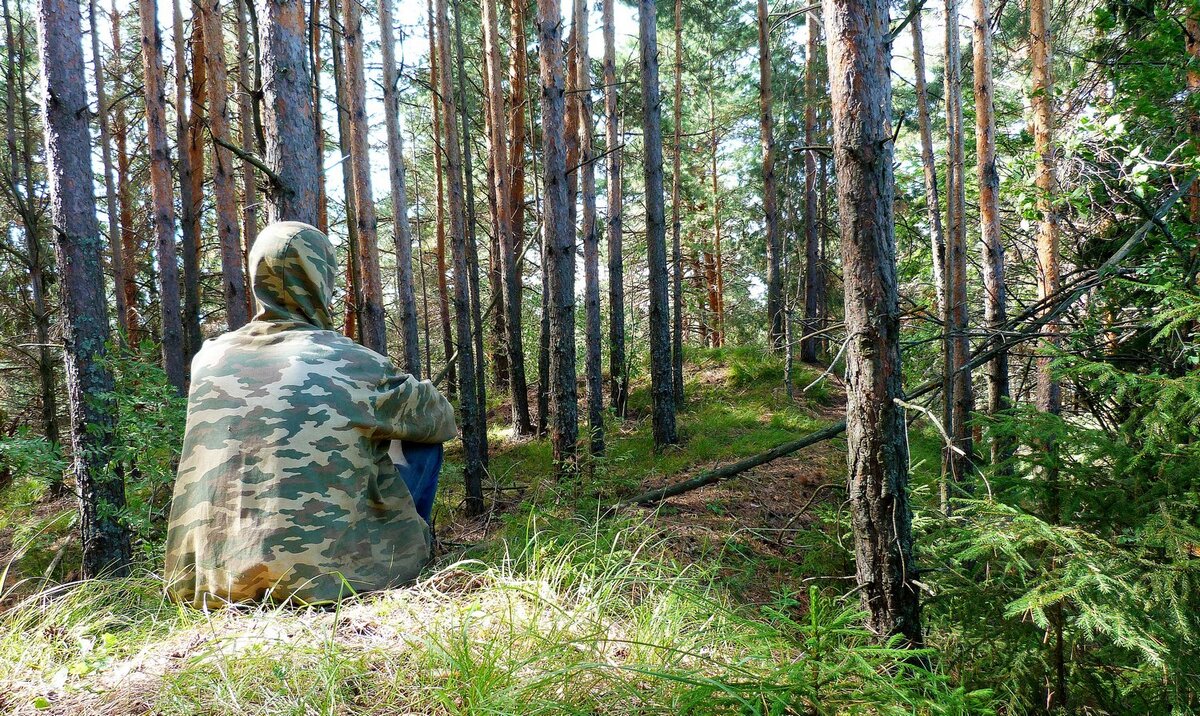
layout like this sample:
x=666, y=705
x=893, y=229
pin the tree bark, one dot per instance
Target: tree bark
x=591, y=239
x=716, y=285
x=288, y=112
x=957, y=392
x=440, y=218
x=472, y=418
x=994, y=309
x=163, y=197
x=617, y=367
x=814, y=272
x=661, y=387
x=502, y=176
x=106, y=544
x=373, y=329
x=860, y=88
x=233, y=279
x=128, y=243
x=932, y=206
x=247, y=102
x=775, y=332
x=188, y=203
x=401, y=232
x=354, y=296
x=676, y=221
x=559, y=242
x=194, y=209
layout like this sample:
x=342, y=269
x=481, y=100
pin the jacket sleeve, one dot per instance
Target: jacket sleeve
x=409, y=409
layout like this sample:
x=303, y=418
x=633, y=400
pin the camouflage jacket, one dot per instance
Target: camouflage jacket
x=285, y=490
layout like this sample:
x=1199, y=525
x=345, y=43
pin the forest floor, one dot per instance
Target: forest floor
x=540, y=605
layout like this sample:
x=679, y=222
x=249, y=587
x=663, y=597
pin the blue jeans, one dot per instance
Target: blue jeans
x=421, y=474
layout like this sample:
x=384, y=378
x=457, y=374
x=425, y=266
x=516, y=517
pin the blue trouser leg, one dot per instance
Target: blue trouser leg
x=421, y=474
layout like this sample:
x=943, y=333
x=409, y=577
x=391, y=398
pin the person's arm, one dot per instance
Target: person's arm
x=408, y=409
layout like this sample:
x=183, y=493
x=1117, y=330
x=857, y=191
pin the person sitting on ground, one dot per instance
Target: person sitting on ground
x=286, y=490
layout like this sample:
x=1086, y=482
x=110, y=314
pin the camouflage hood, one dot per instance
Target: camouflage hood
x=292, y=269
x=285, y=489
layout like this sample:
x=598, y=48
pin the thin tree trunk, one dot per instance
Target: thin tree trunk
x=401, y=232
x=128, y=243
x=591, y=239
x=440, y=218
x=661, y=388
x=195, y=151
x=188, y=204
x=957, y=390
x=233, y=279
x=770, y=191
x=933, y=208
x=106, y=544
x=1049, y=392
x=860, y=87
x=469, y=406
x=513, y=296
x=502, y=177
x=106, y=151
x=246, y=110
x=617, y=369
x=291, y=148
x=354, y=294
x=374, y=324
x=813, y=271
x=559, y=241
x=676, y=221
x=163, y=197
x=994, y=308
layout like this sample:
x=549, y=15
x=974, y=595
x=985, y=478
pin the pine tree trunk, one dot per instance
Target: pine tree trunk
x=196, y=130
x=374, y=324
x=617, y=368
x=994, y=308
x=716, y=284
x=128, y=243
x=470, y=409
x=502, y=176
x=770, y=191
x=957, y=389
x=401, y=232
x=933, y=208
x=559, y=241
x=354, y=296
x=233, y=279
x=291, y=149
x=440, y=218
x=676, y=221
x=661, y=387
x=1049, y=392
x=246, y=110
x=106, y=544
x=188, y=204
x=106, y=151
x=860, y=87
x=813, y=271
x=163, y=197
x=591, y=240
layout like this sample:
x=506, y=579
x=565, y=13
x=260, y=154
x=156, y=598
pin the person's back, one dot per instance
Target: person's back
x=285, y=487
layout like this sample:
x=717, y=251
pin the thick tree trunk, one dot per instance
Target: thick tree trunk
x=188, y=203
x=1049, y=392
x=163, y=197
x=676, y=220
x=814, y=273
x=288, y=112
x=502, y=176
x=617, y=368
x=472, y=418
x=110, y=191
x=373, y=328
x=661, y=387
x=770, y=191
x=106, y=544
x=440, y=216
x=233, y=279
x=591, y=239
x=957, y=391
x=401, y=232
x=995, y=313
x=559, y=241
x=932, y=206
x=860, y=87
